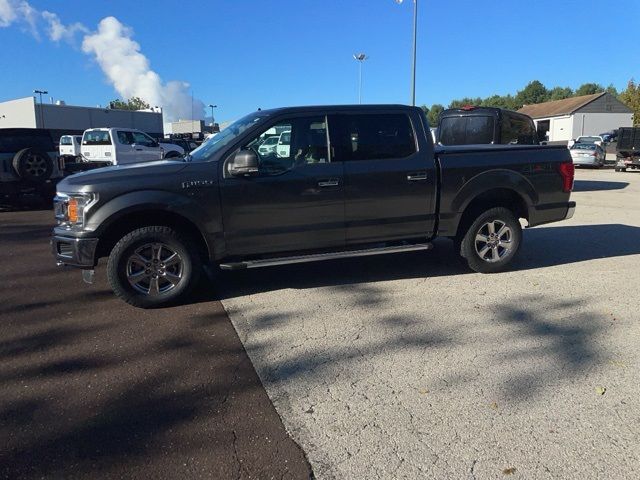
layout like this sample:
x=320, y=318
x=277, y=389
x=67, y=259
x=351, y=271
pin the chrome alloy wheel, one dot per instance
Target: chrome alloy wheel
x=154, y=268
x=493, y=241
x=35, y=165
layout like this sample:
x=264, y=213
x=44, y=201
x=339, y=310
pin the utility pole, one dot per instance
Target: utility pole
x=415, y=49
x=41, y=92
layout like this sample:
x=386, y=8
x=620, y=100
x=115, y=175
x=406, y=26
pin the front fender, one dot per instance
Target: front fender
x=157, y=200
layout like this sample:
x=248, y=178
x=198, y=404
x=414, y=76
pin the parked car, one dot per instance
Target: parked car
x=588, y=139
x=119, y=146
x=28, y=163
x=588, y=154
x=69, y=147
x=186, y=144
x=485, y=125
x=609, y=137
x=268, y=146
x=387, y=191
x=628, y=149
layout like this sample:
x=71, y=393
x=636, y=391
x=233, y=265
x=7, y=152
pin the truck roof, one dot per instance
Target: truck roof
x=341, y=108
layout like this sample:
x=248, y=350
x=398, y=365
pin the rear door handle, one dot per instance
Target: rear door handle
x=417, y=177
x=330, y=182
x=139, y=149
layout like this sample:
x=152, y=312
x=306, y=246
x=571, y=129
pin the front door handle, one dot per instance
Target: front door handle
x=330, y=182
x=417, y=177
x=138, y=149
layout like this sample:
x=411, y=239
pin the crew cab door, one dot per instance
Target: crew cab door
x=295, y=202
x=390, y=176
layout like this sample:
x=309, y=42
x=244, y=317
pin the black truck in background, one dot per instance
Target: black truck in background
x=340, y=181
x=29, y=164
x=628, y=149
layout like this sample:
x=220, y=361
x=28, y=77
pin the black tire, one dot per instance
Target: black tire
x=32, y=165
x=471, y=248
x=173, y=282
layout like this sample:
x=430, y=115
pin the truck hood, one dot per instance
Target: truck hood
x=135, y=173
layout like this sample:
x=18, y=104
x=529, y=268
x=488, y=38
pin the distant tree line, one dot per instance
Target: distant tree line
x=536, y=92
x=134, y=103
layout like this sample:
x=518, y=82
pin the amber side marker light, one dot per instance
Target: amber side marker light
x=72, y=210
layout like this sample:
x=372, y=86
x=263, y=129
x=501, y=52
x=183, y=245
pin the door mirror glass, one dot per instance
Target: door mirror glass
x=244, y=164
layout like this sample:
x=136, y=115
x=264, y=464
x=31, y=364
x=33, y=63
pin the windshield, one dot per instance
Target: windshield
x=588, y=146
x=209, y=148
x=589, y=139
x=271, y=141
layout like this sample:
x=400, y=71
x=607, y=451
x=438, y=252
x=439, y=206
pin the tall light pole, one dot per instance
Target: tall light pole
x=415, y=48
x=41, y=92
x=211, y=106
x=360, y=57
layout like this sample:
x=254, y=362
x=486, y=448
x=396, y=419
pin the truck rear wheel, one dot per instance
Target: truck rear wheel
x=492, y=241
x=153, y=266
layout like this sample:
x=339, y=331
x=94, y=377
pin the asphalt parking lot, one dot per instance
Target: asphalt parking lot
x=403, y=366
x=413, y=367
x=93, y=388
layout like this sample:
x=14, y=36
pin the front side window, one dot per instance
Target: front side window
x=466, y=130
x=373, y=137
x=291, y=143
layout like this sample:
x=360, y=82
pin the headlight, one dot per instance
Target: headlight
x=71, y=208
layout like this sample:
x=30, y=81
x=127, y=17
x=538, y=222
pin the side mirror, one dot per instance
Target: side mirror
x=244, y=164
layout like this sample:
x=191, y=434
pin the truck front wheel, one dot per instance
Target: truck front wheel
x=153, y=266
x=492, y=241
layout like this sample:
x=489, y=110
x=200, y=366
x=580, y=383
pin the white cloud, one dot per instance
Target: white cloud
x=117, y=54
x=58, y=31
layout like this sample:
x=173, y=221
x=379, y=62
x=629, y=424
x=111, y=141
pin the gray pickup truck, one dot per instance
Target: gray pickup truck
x=335, y=182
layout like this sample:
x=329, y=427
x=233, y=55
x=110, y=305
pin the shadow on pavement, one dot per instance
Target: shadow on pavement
x=597, y=185
x=543, y=247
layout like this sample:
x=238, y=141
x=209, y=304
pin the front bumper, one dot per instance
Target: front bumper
x=75, y=252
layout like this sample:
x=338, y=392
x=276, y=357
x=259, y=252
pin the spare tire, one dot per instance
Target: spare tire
x=33, y=164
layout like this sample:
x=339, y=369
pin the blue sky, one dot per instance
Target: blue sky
x=242, y=55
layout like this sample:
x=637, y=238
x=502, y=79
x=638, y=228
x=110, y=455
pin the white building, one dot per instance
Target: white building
x=567, y=119
x=67, y=119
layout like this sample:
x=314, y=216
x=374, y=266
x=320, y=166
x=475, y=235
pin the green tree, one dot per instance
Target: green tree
x=560, y=93
x=612, y=90
x=500, y=101
x=463, y=102
x=589, y=89
x=134, y=103
x=631, y=98
x=534, y=92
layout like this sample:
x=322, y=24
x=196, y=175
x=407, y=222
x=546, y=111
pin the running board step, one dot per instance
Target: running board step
x=269, y=262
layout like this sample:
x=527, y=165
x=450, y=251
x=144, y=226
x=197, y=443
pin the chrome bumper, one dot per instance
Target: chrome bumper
x=75, y=252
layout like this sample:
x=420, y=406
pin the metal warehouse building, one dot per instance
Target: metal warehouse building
x=67, y=119
x=585, y=115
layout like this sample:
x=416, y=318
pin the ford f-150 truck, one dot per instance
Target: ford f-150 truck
x=357, y=180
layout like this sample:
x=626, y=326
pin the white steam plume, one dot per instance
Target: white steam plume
x=128, y=70
x=118, y=55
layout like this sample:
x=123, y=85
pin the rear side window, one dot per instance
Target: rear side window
x=372, y=137
x=125, y=138
x=518, y=131
x=96, y=137
x=14, y=142
x=469, y=130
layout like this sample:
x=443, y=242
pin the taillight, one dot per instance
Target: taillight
x=567, y=171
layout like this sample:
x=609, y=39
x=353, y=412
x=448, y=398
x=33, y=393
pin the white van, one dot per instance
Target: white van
x=70, y=146
x=118, y=146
